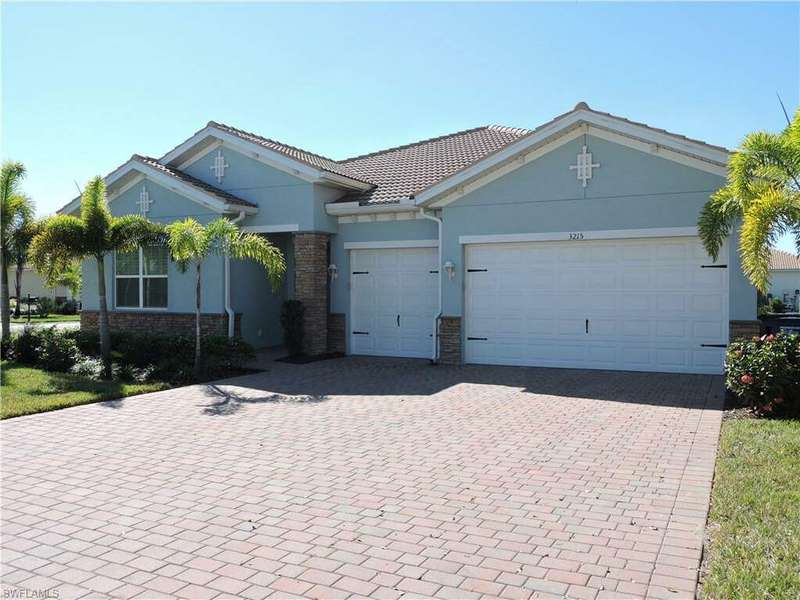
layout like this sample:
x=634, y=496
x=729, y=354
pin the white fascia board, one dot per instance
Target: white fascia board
x=264, y=155
x=579, y=236
x=271, y=228
x=581, y=121
x=391, y=244
x=354, y=208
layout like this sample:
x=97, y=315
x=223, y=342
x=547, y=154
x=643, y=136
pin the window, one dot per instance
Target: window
x=141, y=278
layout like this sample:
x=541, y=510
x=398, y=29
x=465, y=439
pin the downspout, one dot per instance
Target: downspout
x=228, y=309
x=438, y=316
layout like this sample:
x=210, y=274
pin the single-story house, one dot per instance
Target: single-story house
x=573, y=244
x=784, y=278
x=32, y=284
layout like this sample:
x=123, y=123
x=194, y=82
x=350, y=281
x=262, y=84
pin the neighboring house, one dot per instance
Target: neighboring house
x=784, y=278
x=32, y=284
x=571, y=245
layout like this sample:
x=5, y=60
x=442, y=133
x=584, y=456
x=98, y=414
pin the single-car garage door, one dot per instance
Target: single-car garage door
x=393, y=301
x=636, y=304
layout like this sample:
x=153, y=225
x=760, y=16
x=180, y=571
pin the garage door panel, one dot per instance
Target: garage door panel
x=649, y=303
x=393, y=301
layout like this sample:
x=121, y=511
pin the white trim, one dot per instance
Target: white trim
x=391, y=244
x=270, y=228
x=575, y=123
x=354, y=208
x=194, y=157
x=562, y=236
x=379, y=217
x=262, y=154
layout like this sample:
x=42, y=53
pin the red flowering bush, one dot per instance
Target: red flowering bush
x=765, y=373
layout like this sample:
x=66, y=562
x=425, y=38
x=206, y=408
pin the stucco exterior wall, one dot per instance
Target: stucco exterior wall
x=630, y=190
x=782, y=282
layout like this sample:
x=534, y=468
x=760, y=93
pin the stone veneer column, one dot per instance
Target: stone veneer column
x=744, y=330
x=311, y=288
x=450, y=340
x=336, y=333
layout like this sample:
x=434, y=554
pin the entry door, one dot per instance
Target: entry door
x=643, y=305
x=393, y=301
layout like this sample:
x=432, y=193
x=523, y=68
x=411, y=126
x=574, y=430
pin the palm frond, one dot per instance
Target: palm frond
x=127, y=233
x=187, y=241
x=60, y=241
x=257, y=248
x=95, y=214
x=716, y=220
x=764, y=221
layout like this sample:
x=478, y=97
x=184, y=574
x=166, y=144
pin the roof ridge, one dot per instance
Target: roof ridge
x=270, y=140
x=417, y=143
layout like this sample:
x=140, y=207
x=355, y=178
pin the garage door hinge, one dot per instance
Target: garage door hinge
x=713, y=345
x=713, y=266
x=361, y=333
x=477, y=270
x=360, y=272
x=477, y=339
x=433, y=271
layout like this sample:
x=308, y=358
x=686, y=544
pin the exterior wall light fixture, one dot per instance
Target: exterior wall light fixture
x=450, y=269
x=333, y=271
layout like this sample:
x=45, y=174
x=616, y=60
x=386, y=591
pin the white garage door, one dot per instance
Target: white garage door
x=644, y=305
x=393, y=301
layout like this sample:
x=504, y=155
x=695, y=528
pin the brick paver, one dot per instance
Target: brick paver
x=367, y=477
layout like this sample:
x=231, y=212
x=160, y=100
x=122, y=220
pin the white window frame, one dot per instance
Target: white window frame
x=141, y=277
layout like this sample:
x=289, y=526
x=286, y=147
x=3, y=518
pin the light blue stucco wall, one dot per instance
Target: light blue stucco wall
x=282, y=198
x=630, y=190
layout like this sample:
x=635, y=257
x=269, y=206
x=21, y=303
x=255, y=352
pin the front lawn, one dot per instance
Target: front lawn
x=26, y=390
x=48, y=319
x=754, y=523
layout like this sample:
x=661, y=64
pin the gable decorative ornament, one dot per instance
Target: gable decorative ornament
x=219, y=166
x=144, y=201
x=584, y=166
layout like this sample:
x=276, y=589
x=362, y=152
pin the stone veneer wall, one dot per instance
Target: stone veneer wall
x=161, y=322
x=336, y=333
x=311, y=288
x=450, y=340
x=744, y=329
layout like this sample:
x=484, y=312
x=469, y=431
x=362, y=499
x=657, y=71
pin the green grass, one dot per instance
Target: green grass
x=755, y=512
x=48, y=319
x=24, y=390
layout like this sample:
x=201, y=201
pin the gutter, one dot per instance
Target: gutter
x=438, y=221
x=228, y=309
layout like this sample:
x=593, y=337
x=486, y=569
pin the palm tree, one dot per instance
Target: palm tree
x=191, y=243
x=763, y=192
x=64, y=239
x=13, y=205
x=23, y=232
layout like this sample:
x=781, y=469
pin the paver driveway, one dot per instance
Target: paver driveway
x=368, y=477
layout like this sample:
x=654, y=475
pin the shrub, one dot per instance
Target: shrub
x=45, y=306
x=25, y=346
x=776, y=305
x=88, y=366
x=57, y=352
x=765, y=373
x=292, y=322
x=67, y=307
x=222, y=352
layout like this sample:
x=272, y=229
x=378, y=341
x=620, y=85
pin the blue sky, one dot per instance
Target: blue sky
x=86, y=85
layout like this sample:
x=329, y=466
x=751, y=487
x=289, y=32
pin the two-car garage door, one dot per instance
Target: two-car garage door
x=642, y=304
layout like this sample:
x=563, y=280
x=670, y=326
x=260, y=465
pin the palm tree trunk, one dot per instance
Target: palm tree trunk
x=197, y=350
x=105, y=334
x=5, y=306
x=18, y=286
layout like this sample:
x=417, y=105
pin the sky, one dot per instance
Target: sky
x=86, y=85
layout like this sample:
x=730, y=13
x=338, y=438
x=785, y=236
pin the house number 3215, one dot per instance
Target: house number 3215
x=576, y=236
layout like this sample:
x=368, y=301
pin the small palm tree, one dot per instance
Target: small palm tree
x=22, y=234
x=64, y=239
x=13, y=207
x=763, y=192
x=191, y=243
